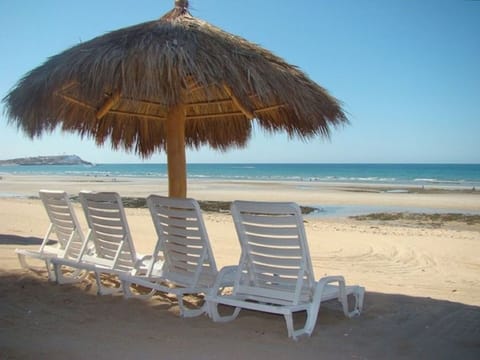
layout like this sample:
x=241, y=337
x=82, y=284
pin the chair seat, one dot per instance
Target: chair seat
x=45, y=254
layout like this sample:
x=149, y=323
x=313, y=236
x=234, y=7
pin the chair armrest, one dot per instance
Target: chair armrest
x=318, y=296
x=142, y=258
x=143, y=263
x=225, y=277
x=331, y=279
x=339, y=293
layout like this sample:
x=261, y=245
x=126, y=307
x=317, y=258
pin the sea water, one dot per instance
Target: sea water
x=463, y=175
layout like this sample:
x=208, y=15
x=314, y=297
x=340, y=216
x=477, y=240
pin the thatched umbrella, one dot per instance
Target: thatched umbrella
x=167, y=84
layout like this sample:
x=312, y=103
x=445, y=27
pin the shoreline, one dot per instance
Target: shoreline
x=334, y=200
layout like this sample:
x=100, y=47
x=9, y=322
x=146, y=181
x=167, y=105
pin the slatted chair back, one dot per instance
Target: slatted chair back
x=182, y=241
x=63, y=222
x=109, y=229
x=275, y=262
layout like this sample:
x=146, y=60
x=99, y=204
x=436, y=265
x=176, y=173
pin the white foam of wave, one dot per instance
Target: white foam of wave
x=438, y=181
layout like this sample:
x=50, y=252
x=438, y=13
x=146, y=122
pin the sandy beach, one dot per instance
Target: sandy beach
x=422, y=280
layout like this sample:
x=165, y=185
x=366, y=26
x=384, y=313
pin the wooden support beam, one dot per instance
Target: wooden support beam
x=249, y=114
x=108, y=104
x=67, y=86
x=209, y=102
x=214, y=116
x=270, y=108
x=75, y=101
x=133, y=114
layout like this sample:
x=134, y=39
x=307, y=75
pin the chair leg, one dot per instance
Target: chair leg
x=311, y=321
x=22, y=258
x=128, y=293
x=361, y=297
x=77, y=276
x=358, y=292
x=215, y=315
x=292, y=333
x=23, y=262
x=306, y=330
x=50, y=270
x=314, y=309
x=343, y=298
x=105, y=290
x=187, y=312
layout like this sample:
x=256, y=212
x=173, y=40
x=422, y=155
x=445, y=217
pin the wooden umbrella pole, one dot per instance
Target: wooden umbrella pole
x=177, y=166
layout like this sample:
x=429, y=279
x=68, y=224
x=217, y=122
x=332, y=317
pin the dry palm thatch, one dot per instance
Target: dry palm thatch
x=129, y=84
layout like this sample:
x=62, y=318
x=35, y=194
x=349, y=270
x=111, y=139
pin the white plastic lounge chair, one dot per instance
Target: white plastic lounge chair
x=275, y=272
x=63, y=225
x=113, y=250
x=188, y=265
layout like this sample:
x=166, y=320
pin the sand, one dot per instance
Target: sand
x=422, y=281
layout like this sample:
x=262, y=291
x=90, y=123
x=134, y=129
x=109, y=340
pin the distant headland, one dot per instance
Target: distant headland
x=47, y=160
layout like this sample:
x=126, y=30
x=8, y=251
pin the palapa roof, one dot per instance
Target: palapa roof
x=120, y=86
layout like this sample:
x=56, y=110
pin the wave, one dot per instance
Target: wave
x=439, y=181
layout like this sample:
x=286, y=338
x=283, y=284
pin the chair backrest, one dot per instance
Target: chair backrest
x=275, y=262
x=63, y=222
x=182, y=241
x=109, y=229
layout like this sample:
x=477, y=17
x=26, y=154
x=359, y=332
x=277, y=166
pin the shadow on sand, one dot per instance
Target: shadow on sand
x=7, y=239
x=39, y=319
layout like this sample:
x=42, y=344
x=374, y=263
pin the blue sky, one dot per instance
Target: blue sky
x=406, y=71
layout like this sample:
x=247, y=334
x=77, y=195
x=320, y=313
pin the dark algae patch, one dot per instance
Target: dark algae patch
x=434, y=220
x=205, y=205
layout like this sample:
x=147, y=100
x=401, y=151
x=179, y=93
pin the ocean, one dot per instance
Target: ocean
x=443, y=175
